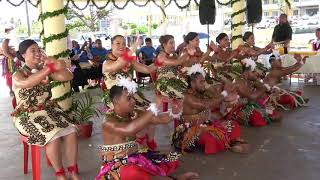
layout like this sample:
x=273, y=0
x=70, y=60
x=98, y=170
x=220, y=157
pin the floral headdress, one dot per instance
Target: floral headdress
x=197, y=68
x=130, y=85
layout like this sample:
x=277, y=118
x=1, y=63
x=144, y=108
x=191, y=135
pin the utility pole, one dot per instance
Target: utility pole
x=28, y=20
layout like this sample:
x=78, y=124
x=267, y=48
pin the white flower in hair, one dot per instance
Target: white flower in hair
x=277, y=54
x=130, y=85
x=196, y=69
x=250, y=63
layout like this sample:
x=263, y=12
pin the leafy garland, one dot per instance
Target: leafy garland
x=224, y=4
x=288, y=3
x=46, y=15
x=53, y=37
x=54, y=84
x=233, y=38
x=238, y=24
x=62, y=54
x=63, y=97
x=238, y=12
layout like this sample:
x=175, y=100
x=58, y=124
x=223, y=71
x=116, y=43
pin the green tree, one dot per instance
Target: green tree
x=79, y=21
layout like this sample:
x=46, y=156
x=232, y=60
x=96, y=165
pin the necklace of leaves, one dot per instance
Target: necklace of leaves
x=117, y=117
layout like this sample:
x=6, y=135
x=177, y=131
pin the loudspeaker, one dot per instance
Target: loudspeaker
x=254, y=11
x=207, y=11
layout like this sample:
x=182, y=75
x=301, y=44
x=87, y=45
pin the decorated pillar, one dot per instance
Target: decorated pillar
x=55, y=43
x=238, y=21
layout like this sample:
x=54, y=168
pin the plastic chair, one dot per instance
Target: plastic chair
x=35, y=158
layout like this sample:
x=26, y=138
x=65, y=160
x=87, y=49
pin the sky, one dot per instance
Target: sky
x=8, y=11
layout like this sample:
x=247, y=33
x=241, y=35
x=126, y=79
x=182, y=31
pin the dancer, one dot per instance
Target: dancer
x=197, y=128
x=122, y=159
x=37, y=117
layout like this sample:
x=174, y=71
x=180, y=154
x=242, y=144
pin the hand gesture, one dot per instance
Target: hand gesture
x=49, y=60
x=213, y=46
x=60, y=64
x=298, y=57
x=229, y=87
x=191, y=51
x=304, y=59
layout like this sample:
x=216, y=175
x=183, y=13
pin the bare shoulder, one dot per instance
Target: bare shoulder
x=108, y=123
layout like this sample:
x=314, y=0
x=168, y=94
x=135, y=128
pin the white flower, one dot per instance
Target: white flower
x=127, y=83
x=250, y=63
x=196, y=69
x=34, y=71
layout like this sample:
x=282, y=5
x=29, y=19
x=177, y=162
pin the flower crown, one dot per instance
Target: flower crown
x=196, y=68
x=127, y=83
x=249, y=63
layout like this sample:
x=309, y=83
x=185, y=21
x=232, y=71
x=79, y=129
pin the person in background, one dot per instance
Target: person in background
x=181, y=46
x=9, y=62
x=315, y=47
x=283, y=32
x=78, y=55
x=146, y=53
x=316, y=42
x=98, y=52
x=99, y=55
x=157, y=51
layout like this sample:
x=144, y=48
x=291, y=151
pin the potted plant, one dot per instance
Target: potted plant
x=84, y=110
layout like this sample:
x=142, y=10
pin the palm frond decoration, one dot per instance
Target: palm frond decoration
x=84, y=109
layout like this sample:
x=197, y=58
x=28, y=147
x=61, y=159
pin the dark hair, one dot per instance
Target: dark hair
x=245, y=68
x=98, y=40
x=115, y=37
x=247, y=35
x=165, y=39
x=220, y=37
x=148, y=40
x=192, y=77
x=272, y=58
x=283, y=14
x=318, y=30
x=190, y=36
x=23, y=46
x=115, y=92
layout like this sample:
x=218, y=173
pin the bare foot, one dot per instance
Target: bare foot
x=242, y=148
x=188, y=176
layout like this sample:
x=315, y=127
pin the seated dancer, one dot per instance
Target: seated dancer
x=122, y=159
x=120, y=62
x=37, y=117
x=193, y=50
x=168, y=82
x=281, y=97
x=224, y=53
x=250, y=49
x=197, y=127
x=250, y=89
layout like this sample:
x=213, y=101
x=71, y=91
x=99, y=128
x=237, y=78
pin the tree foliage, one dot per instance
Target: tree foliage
x=79, y=21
